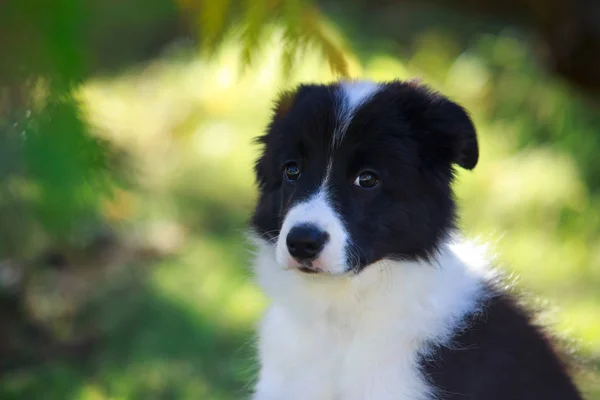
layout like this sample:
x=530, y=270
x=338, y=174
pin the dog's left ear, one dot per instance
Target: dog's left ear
x=444, y=127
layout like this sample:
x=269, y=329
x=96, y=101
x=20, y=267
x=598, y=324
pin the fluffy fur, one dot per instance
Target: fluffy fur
x=392, y=305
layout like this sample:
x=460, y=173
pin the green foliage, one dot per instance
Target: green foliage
x=67, y=163
x=55, y=177
x=38, y=40
x=58, y=174
x=303, y=24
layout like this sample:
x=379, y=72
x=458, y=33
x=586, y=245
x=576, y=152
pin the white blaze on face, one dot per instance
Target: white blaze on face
x=317, y=211
x=353, y=95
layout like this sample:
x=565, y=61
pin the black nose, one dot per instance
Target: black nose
x=305, y=242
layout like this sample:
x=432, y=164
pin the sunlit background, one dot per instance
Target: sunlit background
x=126, y=178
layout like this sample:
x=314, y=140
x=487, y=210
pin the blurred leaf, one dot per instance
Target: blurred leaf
x=39, y=40
x=256, y=14
x=315, y=32
x=68, y=165
x=213, y=23
x=302, y=22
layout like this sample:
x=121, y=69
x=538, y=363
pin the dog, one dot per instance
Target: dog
x=373, y=293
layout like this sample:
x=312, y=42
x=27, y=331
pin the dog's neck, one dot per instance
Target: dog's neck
x=424, y=297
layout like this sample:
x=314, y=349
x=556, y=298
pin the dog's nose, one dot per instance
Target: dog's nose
x=305, y=242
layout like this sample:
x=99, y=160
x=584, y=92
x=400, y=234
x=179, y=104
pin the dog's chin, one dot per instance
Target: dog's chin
x=307, y=269
x=310, y=270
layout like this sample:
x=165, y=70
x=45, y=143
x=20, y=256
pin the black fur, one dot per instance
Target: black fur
x=500, y=355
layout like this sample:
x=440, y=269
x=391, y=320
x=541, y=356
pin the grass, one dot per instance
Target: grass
x=182, y=326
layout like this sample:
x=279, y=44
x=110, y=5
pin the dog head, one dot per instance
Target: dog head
x=353, y=173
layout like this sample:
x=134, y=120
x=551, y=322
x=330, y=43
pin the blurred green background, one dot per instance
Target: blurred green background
x=126, y=177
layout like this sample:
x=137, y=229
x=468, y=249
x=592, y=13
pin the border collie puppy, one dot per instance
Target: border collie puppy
x=372, y=295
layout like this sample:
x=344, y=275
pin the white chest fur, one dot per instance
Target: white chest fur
x=323, y=362
x=360, y=337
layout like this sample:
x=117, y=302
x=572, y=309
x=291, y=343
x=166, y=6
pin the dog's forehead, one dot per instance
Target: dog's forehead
x=326, y=117
x=351, y=96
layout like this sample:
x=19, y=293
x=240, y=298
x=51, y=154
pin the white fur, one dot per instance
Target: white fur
x=316, y=210
x=357, y=92
x=353, y=95
x=359, y=337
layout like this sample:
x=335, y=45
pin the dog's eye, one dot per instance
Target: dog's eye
x=291, y=171
x=366, y=179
